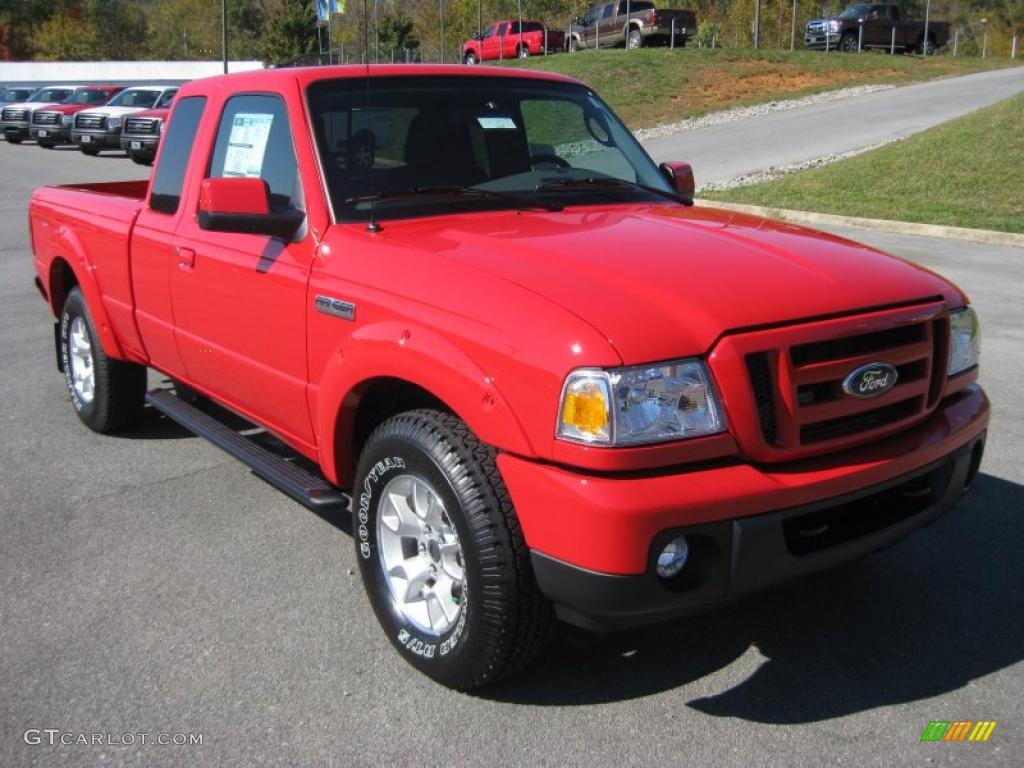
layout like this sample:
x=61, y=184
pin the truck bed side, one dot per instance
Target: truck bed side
x=81, y=234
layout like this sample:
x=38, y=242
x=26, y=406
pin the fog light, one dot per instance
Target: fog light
x=673, y=558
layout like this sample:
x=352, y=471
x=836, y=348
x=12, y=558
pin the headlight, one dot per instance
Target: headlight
x=114, y=123
x=67, y=120
x=160, y=127
x=964, y=340
x=834, y=26
x=640, y=405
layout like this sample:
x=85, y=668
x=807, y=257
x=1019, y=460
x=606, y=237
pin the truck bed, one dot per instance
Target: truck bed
x=98, y=218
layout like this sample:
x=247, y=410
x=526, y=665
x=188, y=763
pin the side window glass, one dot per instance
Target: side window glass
x=178, y=139
x=608, y=11
x=255, y=140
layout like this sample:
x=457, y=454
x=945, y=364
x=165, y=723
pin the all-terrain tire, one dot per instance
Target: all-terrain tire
x=503, y=622
x=115, y=399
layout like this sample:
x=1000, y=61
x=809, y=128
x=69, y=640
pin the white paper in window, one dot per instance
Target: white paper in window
x=247, y=144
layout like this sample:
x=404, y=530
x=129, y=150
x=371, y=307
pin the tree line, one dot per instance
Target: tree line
x=277, y=31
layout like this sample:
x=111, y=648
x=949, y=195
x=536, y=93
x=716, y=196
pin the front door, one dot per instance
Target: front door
x=240, y=300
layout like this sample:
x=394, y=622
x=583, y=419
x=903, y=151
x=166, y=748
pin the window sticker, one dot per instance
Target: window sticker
x=247, y=144
x=491, y=123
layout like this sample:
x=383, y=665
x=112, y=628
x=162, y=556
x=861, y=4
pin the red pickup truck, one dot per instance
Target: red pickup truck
x=511, y=39
x=551, y=385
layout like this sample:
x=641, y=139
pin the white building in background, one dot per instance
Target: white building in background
x=115, y=71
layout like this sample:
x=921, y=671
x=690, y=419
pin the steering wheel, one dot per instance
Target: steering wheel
x=561, y=162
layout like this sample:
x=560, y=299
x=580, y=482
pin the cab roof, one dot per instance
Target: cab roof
x=268, y=78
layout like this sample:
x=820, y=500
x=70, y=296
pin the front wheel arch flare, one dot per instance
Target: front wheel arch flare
x=426, y=361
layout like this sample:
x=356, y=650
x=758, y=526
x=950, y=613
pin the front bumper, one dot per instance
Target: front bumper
x=595, y=539
x=142, y=145
x=96, y=139
x=821, y=40
x=17, y=130
x=56, y=134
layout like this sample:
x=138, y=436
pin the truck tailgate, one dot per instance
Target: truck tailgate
x=89, y=226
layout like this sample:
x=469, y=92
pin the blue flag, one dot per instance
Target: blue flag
x=322, y=11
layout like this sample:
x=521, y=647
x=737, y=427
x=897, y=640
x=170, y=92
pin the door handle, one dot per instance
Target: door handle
x=186, y=257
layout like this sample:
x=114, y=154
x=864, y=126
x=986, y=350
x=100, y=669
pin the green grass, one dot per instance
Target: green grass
x=658, y=85
x=968, y=172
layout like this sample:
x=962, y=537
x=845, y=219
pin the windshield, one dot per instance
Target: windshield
x=51, y=95
x=14, y=95
x=166, y=99
x=438, y=144
x=141, y=99
x=90, y=97
x=855, y=12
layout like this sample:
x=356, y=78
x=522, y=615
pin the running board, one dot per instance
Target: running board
x=308, y=489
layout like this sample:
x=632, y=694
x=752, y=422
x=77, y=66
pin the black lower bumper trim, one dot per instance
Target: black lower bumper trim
x=733, y=558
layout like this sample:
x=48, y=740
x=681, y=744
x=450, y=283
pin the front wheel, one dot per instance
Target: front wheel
x=46, y=144
x=848, y=43
x=573, y=45
x=89, y=151
x=634, y=39
x=13, y=140
x=108, y=394
x=441, y=553
x=926, y=47
x=470, y=59
x=140, y=160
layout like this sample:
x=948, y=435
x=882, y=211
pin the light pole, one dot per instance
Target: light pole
x=224, y=32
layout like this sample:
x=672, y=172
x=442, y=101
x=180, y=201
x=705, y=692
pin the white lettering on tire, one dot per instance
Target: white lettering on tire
x=372, y=478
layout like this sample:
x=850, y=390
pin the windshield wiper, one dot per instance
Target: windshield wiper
x=520, y=201
x=598, y=183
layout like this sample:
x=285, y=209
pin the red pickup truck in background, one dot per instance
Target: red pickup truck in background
x=552, y=386
x=510, y=40
x=51, y=126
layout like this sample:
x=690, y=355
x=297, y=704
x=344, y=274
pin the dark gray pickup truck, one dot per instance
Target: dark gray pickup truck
x=884, y=26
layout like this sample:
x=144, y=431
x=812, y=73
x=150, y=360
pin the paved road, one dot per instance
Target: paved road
x=723, y=152
x=150, y=584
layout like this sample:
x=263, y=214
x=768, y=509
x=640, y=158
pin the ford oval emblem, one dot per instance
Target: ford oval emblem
x=870, y=380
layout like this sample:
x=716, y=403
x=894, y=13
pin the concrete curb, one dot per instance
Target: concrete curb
x=986, y=236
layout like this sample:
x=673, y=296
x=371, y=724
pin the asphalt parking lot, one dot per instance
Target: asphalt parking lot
x=150, y=584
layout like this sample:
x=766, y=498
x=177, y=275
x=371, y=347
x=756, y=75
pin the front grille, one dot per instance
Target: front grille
x=90, y=122
x=46, y=118
x=794, y=380
x=816, y=27
x=762, y=381
x=15, y=114
x=141, y=125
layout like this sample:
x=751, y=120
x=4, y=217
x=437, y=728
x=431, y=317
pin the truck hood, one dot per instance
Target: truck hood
x=159, y=113
x=666, y=281
x=114, y=111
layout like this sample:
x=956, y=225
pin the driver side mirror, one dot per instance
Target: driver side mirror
x=242, y=205
x=680, y=176
x=580, y=21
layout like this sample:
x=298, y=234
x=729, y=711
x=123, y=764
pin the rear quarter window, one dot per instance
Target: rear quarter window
x=178, y=140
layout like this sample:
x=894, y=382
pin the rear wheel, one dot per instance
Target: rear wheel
x=441, y=553
x=523, y=52
x=89, y=151
x=140, y=160
x=926, y=47
x=573, y=45
x=108, y=394
x=634, y=39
